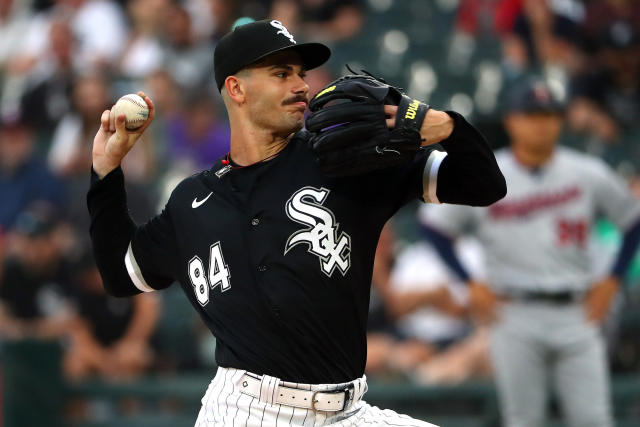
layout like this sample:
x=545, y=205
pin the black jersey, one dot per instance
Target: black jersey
x=275, y=257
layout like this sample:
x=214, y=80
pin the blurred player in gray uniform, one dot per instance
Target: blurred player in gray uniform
x=541, y=296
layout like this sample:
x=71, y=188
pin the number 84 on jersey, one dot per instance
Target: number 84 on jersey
x=218, y=274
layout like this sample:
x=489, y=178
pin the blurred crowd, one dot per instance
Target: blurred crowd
x=587, y=50
x=63, y=62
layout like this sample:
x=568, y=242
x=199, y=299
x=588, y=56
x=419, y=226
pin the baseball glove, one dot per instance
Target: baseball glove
x=349, y=134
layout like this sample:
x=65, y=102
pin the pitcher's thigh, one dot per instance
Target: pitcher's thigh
x=374, y=416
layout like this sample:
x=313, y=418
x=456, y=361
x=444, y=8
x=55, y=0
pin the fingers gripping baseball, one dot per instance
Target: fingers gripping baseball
x=113, y=140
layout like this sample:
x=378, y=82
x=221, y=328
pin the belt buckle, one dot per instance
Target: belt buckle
x=349, y=394
x=346, y=401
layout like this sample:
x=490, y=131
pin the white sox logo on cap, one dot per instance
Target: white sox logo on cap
x=283, y=30
x=248, y=43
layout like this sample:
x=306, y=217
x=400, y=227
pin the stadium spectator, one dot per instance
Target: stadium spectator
x=198, y=137
x=24, y=177
x=417, y=315
x=383, y=338
x=111, y=337
x=600, y=14
x=46, y=97
x=169, y=103
x=459, y=350
x=15, y=16
x=94, y=50
x=203, y=21
x=187, y=58
x=478, y=17
x=70, y=152
x=545, y=33
x=143, y=52
x=3, y=244
x=223, y=14
x=605, y=99
x=36, y=55
x=166, y=93
x=34, y=287
x=326, y=20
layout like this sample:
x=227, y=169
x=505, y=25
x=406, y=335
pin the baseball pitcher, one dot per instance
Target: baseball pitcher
x=274, y=244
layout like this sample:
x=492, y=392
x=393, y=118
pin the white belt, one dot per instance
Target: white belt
x=331, y=401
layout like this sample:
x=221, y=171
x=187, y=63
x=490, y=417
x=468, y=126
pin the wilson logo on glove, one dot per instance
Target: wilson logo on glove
x=412, y=109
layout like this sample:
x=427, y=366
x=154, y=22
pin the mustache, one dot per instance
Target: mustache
x=294, y=99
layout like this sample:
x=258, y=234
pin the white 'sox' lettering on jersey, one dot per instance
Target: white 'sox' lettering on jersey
x=305, y=207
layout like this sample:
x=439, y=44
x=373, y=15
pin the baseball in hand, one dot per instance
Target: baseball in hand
x=134, y=108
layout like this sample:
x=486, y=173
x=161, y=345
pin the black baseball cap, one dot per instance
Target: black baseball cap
x=533, y=96
x=251, y=42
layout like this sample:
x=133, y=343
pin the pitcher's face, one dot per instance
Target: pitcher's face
x=276, y=93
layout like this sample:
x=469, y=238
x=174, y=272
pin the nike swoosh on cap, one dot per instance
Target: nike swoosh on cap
x=197, y=203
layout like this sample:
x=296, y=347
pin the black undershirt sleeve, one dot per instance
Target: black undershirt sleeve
x=630, y=242
x=115, y=237
x=469, y=175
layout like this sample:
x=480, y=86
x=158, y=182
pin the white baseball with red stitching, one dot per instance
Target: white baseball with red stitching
x=135, y=110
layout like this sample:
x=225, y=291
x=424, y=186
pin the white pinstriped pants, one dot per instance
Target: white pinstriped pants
x=224, y=405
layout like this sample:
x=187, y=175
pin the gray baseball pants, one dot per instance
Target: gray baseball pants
x=535, y=346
